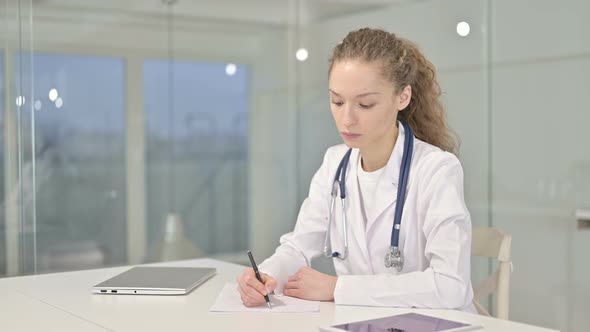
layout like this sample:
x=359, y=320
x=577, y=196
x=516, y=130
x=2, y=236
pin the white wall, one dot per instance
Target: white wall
x=541, y=80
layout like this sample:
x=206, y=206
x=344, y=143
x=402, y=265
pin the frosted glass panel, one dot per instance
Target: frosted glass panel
x=197, y=154
x=2, y=157
x=79, y=162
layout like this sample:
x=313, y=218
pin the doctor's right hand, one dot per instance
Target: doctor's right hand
x=251, y=290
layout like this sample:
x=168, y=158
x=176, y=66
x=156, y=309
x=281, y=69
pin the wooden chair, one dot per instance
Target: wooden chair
x=493, y=243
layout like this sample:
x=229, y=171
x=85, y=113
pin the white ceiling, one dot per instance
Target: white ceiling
x=142, y=24
x=280, y=12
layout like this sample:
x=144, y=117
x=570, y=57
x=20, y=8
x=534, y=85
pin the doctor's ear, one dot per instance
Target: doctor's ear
x=404, y=97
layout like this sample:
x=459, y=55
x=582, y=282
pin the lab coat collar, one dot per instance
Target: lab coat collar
x=387, y=186
x=355, y=221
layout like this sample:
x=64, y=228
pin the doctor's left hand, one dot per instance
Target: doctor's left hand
x=309, y=284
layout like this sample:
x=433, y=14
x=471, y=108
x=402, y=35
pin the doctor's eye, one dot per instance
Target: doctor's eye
x=337, y=103
x=366, y=107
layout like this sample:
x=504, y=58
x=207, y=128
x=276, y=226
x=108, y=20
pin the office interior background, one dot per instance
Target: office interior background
x=146, y=130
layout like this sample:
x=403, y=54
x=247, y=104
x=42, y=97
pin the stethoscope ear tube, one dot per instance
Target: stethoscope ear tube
x=404, y=175
x=342, y=173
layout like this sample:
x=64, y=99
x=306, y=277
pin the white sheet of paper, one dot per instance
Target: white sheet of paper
x=229, y=300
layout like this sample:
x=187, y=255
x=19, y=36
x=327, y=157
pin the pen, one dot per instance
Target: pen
x=255, y=267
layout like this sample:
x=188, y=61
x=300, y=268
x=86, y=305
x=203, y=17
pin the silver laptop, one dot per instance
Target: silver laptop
x=155, y=281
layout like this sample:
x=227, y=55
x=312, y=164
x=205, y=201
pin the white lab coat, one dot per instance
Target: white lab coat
x=435, y=234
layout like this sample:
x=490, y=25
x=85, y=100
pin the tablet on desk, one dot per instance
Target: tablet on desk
x=155, y=281
x=410, y=322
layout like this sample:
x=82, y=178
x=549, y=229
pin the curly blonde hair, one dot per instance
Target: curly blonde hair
x=403, y=65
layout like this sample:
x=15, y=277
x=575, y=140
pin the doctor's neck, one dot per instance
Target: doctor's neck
x=376, y=155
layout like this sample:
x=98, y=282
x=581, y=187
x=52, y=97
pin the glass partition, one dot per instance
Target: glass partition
x=77, y=163
x=183, y=129
x=196, y=156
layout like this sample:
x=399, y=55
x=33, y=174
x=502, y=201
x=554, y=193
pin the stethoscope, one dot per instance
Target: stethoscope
x=394, y=258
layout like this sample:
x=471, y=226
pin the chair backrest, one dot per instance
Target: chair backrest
x=493, y=243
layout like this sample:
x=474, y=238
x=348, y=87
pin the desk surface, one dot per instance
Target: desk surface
x=64, y=302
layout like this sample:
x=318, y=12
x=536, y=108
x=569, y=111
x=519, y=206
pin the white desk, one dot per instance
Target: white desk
x=63, y=301
x=19, y=312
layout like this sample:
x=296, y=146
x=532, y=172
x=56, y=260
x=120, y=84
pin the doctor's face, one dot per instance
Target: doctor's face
x=363, y=103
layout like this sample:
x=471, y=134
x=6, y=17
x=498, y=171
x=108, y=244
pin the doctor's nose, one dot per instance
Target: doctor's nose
x=347, y=117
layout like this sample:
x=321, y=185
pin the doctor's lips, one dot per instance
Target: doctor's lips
x=350, y=136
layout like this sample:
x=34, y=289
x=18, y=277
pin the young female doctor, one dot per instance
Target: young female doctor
x=400, y=235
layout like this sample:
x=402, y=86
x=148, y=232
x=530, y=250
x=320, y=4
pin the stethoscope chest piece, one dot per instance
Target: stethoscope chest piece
x=394, y=258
